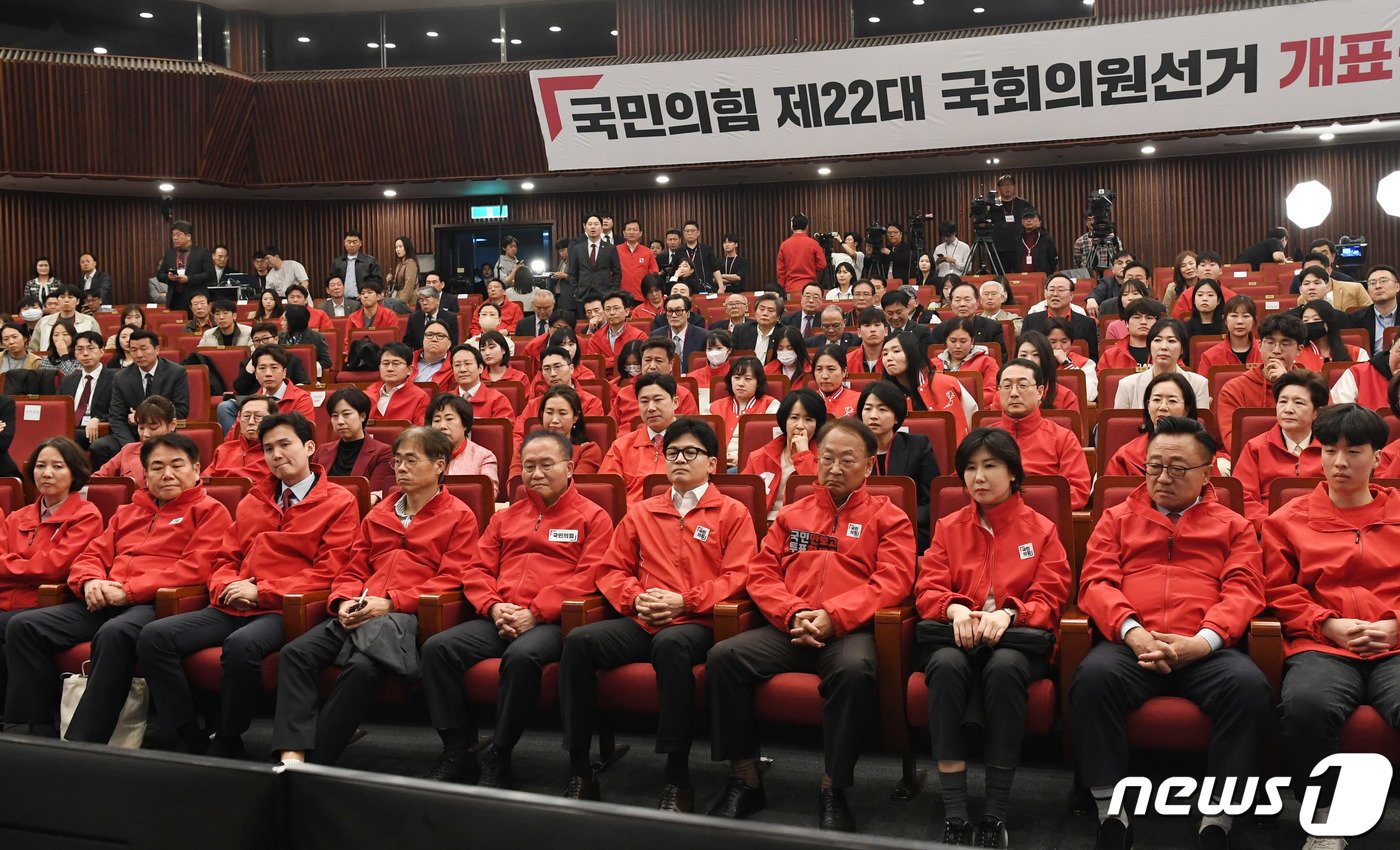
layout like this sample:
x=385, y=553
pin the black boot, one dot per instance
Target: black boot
x=495, y=768
x=833, y=811
x=457, y=764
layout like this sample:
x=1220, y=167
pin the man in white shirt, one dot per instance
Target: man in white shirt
x=91, y=387
x=950, y=255
x=94, y=282
x=283, y=273
x=67, y=309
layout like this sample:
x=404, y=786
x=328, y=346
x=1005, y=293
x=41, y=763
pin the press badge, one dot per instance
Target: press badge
x=853, y=530
x=702, y=533
x=1027, y=551
x=563, y=535
x=1010, y=219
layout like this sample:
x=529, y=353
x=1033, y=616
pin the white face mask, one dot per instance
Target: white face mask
x=633, y=369
x=489, y=323
x=31, y=314
x=787, y=357
x=717, y=356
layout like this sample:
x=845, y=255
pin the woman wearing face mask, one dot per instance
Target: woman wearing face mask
x=718, y=345
x=1165, y=343
x=960, y=354
x=790, y=357
x=495, y=350
x=629, y=363
x=561, y=411
x=800, y=416
x=1367, y=383
x=1240, y=347
x=1324, y=327
x=748, y=393
x=882, y=410
x=488, y=320
x=845, y=279
x=1207, y=317
x=1285, y=451
x=1035, y=346
x=829, y=379
x=1167, y=394
x=904, y=364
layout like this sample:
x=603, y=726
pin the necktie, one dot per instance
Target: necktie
x=806, y=326
x=592, y=253
x=656, y=442
x=680, y=343
x=286, y=499
x=84, y=397
x=145, y=384
x=1174, y=517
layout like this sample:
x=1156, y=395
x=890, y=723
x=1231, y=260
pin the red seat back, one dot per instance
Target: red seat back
x=1108, y=384
x=1283, y=490
x=11, y=495
x=1250, y=422
x=108, y=494
x=200, y=399
x=207, y=436
x=387, y=431
x=226, y=361
x=495, y=436
x=515, y=393
x=601, y=430
x=357, y=484
x=941, y=431
x=756, y=430
x=230, y=491
x=478, y=492
x=38, y=418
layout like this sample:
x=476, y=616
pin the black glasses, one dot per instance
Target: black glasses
x=1176, y=472
x=687, y=454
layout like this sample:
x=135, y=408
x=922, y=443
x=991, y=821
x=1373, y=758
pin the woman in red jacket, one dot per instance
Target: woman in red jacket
x=748, y=393
x=1240, y=347
x=992, y=564
x=561, y=411
x=905, y=364
x=790, y=357
x=960, y=355
x=1329, y=561
x=1288, y=450
x=800, y=417
x=829, y=379
x=1167, y=394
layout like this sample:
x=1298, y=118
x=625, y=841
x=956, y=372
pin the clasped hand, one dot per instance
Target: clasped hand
x=511, y=620
x=1363, y=637
x=659, y=607
x=812, y=628
x=352, y=616
x=99, y=593
x=1163, y=652
x=972, y=629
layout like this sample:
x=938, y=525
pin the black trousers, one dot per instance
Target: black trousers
x=5, y=617
x=1320, y=691
x=104, y=449
x=246, y=641
x=297, y=725
x=32, y=638
x=997, y=677
x=673, y=652
x=846, y=666
x=1225, y=684
x=447, y=655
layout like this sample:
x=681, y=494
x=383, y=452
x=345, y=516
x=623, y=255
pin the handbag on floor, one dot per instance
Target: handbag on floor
x=131, y=723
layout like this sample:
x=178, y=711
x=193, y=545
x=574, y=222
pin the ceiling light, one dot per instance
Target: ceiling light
x=662, y=179
x=996, y=160
x=614, y=32
x=515, y=41
x=527, y=185
x=989, y=162
x=556, y=29
x=1388, y=193
x=1088, y=2
x=373, y=45
x=100, y=51
x=389, y=193
x=874, y=20
x=1326, y=137
x=824, y=170
x=1149, y=149
x=977, y=10
x=918, y=2
x=495, y=41
x=389, y=45
x=166, y=187
x=303, y=39
x=1309, y=204
x=147, y=15
x=432, y=33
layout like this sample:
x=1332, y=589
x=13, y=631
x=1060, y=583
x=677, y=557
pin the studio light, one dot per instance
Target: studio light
x=1309, y=204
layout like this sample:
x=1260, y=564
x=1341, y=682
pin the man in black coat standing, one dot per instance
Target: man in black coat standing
x=186, y=267
x=148, y=375
x=355, y=267
x=594, y=268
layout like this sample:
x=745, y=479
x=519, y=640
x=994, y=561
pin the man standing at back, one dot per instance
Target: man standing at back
x=594, y=267
x=186, y=267
x=354, y=267
x=636, y=260
x=800, y=258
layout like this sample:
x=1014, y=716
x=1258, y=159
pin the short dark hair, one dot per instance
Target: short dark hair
x=870, y=316
x=1278, y=233
x=656, y=379
x=353, y=396
x=1136, y=265
x=461, y=406
x=1382, y=267
x=724, y=338
x=1287, y=324
x=352, y=232
x=276, y=352
x=296, y=287
x=835, y=352
x=866, y=281
x=556, y=351
x=245, y=400
x=1350, y=422
x=614, y=295
x=811, y=402
x=433, y=442
x=748, y=365
x=1210, y=257
x=468, y=347
x=174, y=440
x=372, y=286
x=1149, y=306
x=1174, y=425
x=1240, y=302
x=800, y=222
x=298, y=318
x=91, y=336
x=695, y=427
x=772, y=298
x=1316, y=271
x=142, y=333
x=183, y=226
x=1311, y=382
x=262, y=328
x=305, y=431
x=662, y=342
x=67, y=289
x=853, y=426
x=560, y=441
x=397, y=349
x=223, y=305
x=73, y=457
x=1036, y=372
x=889, y=395
x=894, y=296
x=684, y=301
x=1000, y=445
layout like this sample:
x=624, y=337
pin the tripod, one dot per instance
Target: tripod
x=1096, y=246
x=984, y=247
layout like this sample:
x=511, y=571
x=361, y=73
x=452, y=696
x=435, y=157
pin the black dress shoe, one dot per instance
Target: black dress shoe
x=957, y=832
x=1114, y=835
x=454, y=765
x=833, y=812
x=495, y=769
x=1213, y=838
x=582, y=788
x=677, y=798
x=740, y=800
x=991, y=832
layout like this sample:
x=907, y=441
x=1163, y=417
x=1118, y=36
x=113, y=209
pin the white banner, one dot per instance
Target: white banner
x=1304, y=62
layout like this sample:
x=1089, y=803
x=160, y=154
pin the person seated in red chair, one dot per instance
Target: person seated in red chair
x=870, y=323
x=719, y=348
x=561, y=412
x=1281, y=337
x=542, y=550
x=1287, y=450
x=1047, y=448
x=353, y=451
x=558, y=369
x=1131, y=352
x=411, y=543
x=372, y=314
x=1167, y=394
x=154, y=416
x=828, y=562
x=961, y=355
x=1060, y=334
x=671, y=559
x=240, y=455
x=452, y=415
x=43, y=538
x=800, y=416
x=829, y=380
x=1035, y=347
x=270, y=363
x=510, y=311
x=1329, y=558
x=1171, y=580
x=290, y=534
x=468, y=374
x=1368, y=383
x=618, y=331
x=637, y=454
x=959, y=585
x=658, y=357
x=1239, y=348
x=430, y=364
x=905, y=364
x=394, y=395
x=167, y=536
x=567, y=339
x=748, y=393
x=317, y=319
x=1208, y=267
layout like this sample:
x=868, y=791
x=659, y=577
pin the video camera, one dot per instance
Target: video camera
x=1100, y=209
x=980, y=211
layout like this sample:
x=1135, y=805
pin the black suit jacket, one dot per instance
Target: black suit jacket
x=417, y=320
x=724, y=325
x=199, y=268
x=667, y=261
x=659, y=322
x=911, y=455
x=311, y=337
x=1365, y=318
x=101, y=284
x=1081, y=325
x=101, y=400
x=8, y=468
x=366, y=268
x=591, y=278
x=746, y=338
x=794, y=320
x=985, y=331
x=532, y=326
x=820, y=341
x=169, y=381
x=694, y=341
x=921, y=333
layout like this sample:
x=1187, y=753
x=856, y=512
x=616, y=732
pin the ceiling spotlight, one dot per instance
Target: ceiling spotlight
x=1309, y=204
x=166, y=187
x=662, y=179
x=918, y=2
x=515, y=41
x=989, y=161
x=527, y=185
x=147, y=15
x=874, y=20
x=431, y=33
x=373, y=45
x=977, y=10
x=1149, y=149
x=495, y=41
x=824, y=170
x=100, y=51
x=556, y=29
x=1326, y=137
x=1388, y=193
x=389, y=45
x=538, y=266
x=614, y=33
x=389, y=193
x=996, y=160
x=303, y=39
x=1088, y=2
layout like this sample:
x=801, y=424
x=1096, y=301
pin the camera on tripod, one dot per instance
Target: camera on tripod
x=1100, y=209
x=980, y=211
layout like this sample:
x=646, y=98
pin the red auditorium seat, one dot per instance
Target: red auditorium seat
x=38, y=418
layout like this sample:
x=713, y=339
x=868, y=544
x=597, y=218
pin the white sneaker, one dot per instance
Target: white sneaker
x=1317, y=843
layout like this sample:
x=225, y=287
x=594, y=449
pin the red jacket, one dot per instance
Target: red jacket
x=702, y=557
x=587, y=458
x=1049, y=448
x=383, y=318
x=1204, y=572
x=149, y=546
x=767, y=463
x=634, y=457
x=840, y=403
x=125, y=464
x=296, y=400
x=1372, y=389
x=319, y=320
x=1117, y=356
x=1222, y=355
x=1021, y=560
x=636, y=264
x=300, y=550
x=511, y=315
x=1065, y=399
x=407, y=402
x=400, y=564
x=724, y=409
x=1325, y=562
x=444, y=378
x=800, y=259
x=598, y=342
x=537, y=556
x=238, y=458
x=1389, y=464
x=1265, y=458
x=1182, y=308
x=705, y=375
x=625, y=407
x=487, y=403
x=855, y=361
x=941, y=392
x=373, y=462
x=1247, y=390
x=42, y=552
x=979, y=361
x=850, y=561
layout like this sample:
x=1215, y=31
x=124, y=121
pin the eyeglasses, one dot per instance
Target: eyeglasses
x=1019, y=386
x=841, y=463
x=688, y=453
x=1173, y=471
x=251, y=417
x=435, y=335
x=677, y=311
x=529, y=469
x=1281, y=344
x=406, y=462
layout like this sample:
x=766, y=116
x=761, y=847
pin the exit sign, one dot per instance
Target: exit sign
x=501, y=211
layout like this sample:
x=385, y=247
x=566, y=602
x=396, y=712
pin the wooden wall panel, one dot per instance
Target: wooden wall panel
x=1221, y=203
x=687, y=27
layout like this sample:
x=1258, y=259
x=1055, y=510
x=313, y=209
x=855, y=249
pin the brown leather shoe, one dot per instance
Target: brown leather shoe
x=677, y=798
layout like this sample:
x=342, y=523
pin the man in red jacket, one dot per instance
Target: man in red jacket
x=165, y=537
x=1281, y=337
x=800, y=258
x=394, y=396
x=1047, y=448
x=412, y=542
x=291, y=534
x=671, y=559
x=638, y=453
x=659, y=356
x=467, y=368
x=828, y=563
x=609, y=339
x=535, y=554
x=1171, y=580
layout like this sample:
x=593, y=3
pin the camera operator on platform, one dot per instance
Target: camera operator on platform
x=1006, y=223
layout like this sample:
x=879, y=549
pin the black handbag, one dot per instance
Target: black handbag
x=1032, y=642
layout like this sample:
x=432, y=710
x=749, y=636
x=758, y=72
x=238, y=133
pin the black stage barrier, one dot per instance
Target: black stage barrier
x=60, y=796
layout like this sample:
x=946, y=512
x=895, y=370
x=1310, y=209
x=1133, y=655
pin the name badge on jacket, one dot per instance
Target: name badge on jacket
x=804, y=541
x=563, y=535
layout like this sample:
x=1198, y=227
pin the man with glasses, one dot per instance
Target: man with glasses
x=736, y=314
x=833, y=331
x=671, y=559
x=686, y=337
x=1281, y=337
x=807, y=319
x=1047, y=448
x=394, y=396
x=638, y=453
x=543, y=549
x=1171, y=579
x=1382, y=284
x=429, y=310
x=828, y=562
x=1059, y=295
x=964, y=299
x=617, y=331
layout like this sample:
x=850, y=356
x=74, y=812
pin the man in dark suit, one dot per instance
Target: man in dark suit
x=594, y=268
x=1059, y=290
x=430, y=309
x=964, y=301
x=687, y=337
x=1383, y=285
x=186, y=267
x=833, y=331
x=94, y=281
x=761, y=335
x=537, y=322
x=736, y=314
x=896, y=303
x=90, y=387
x=671, y=255
x=149, y=374
x=354, y=267
x=808, y=319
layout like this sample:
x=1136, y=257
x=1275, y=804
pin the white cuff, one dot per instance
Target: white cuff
x=1128, y=625
x=1216, y=643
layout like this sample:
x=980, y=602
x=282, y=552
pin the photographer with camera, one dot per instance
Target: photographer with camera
x=895, y=260
x=1006, y=214
x=951, y=255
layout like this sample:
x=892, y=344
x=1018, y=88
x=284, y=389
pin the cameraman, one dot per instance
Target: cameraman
x=1095, y=258
x=949, y=256
x=1006, y=224
x=895, y=260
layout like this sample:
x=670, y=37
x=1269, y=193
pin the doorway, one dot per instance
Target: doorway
x=462, y=249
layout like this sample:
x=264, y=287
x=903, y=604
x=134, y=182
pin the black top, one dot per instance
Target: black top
x=1260, y=252
x=345, y=456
